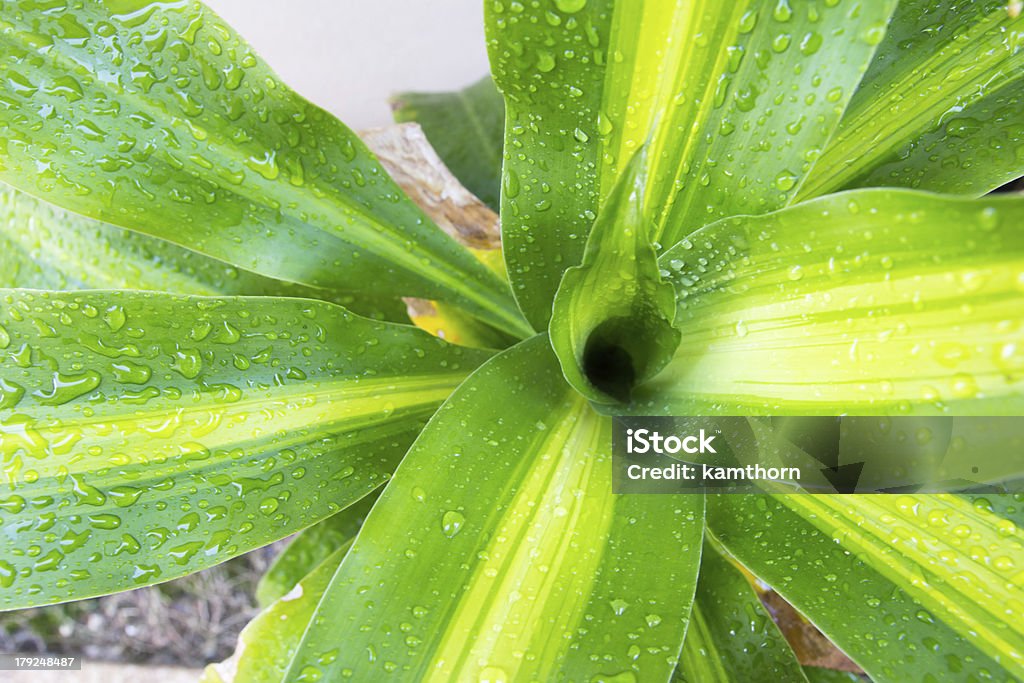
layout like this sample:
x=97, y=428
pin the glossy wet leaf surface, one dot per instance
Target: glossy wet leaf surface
x=43, y=247
x=157, y=117
x=940, y=108
x=144, y=436
x=309, y=548
x=873, y=618
x=731, y=638
x=734, y=101
x=498, y=553
x=268, y=642
x=959, y=559
x=873, y=301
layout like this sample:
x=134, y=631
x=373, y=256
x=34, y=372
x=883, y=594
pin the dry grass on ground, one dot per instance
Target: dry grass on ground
x=187, y=622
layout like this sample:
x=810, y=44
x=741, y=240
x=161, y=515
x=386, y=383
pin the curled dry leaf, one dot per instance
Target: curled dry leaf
x=810, y=646
x=408, y=157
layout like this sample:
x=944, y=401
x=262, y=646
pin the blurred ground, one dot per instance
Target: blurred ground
x=188, y=622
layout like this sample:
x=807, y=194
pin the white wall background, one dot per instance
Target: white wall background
x=349, y=56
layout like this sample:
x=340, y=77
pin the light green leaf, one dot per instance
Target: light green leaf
x=309, y=548
x=454, y=325
x=731, y=638
x=734, y=101
x=875, y=620
x=157, y=117
x=146, y=436
x=612, y=321
x=866, y=302
x=43, y=247
x=467, y=129
x=268, y=642
x=960, y=561
x=1009, y=507
x=497, y=552
x=940, y=107
x=817, y=674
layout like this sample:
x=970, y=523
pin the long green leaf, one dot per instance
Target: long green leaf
x=940, y=108
x=43, y=247
x=268, y=642
x=497, y=551
x=871, y=301
x=875, y=620
x=146, y=436
x=731, y=638
x=1009, y=507
x=157, y=117
x=467, y=129
x=816, y=674
x=959, y=561
x=734, y=101
x=611, y=326
x=309, y=548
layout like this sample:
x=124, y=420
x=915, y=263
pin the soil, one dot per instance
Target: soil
x=188, y=622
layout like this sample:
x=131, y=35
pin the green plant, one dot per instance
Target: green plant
x=683, y=233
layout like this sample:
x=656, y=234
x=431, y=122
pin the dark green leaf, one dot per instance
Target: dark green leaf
x=866, y=599
x=956, y=559
x=816, y=674
x=731, y=638
x=467, y=128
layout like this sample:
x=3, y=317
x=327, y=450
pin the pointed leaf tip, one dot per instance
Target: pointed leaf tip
x=611, y=325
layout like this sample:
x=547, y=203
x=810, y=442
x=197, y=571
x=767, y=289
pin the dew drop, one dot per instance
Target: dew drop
x=115, y=318
x=7, y=574
x=875, y=34
x=10, y=394
x=66, y=388
x=785, y=181
x=104, y=521
x=545, y=62
x=570, y=6
x=988, y=219
x=811, y=43
x=493, y=674
x=782, y=12
x=451, y=523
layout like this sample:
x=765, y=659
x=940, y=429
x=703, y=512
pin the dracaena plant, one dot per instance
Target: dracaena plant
x=205, y=347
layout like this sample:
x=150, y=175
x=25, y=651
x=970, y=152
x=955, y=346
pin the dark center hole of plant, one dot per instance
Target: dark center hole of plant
x=607, y=363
